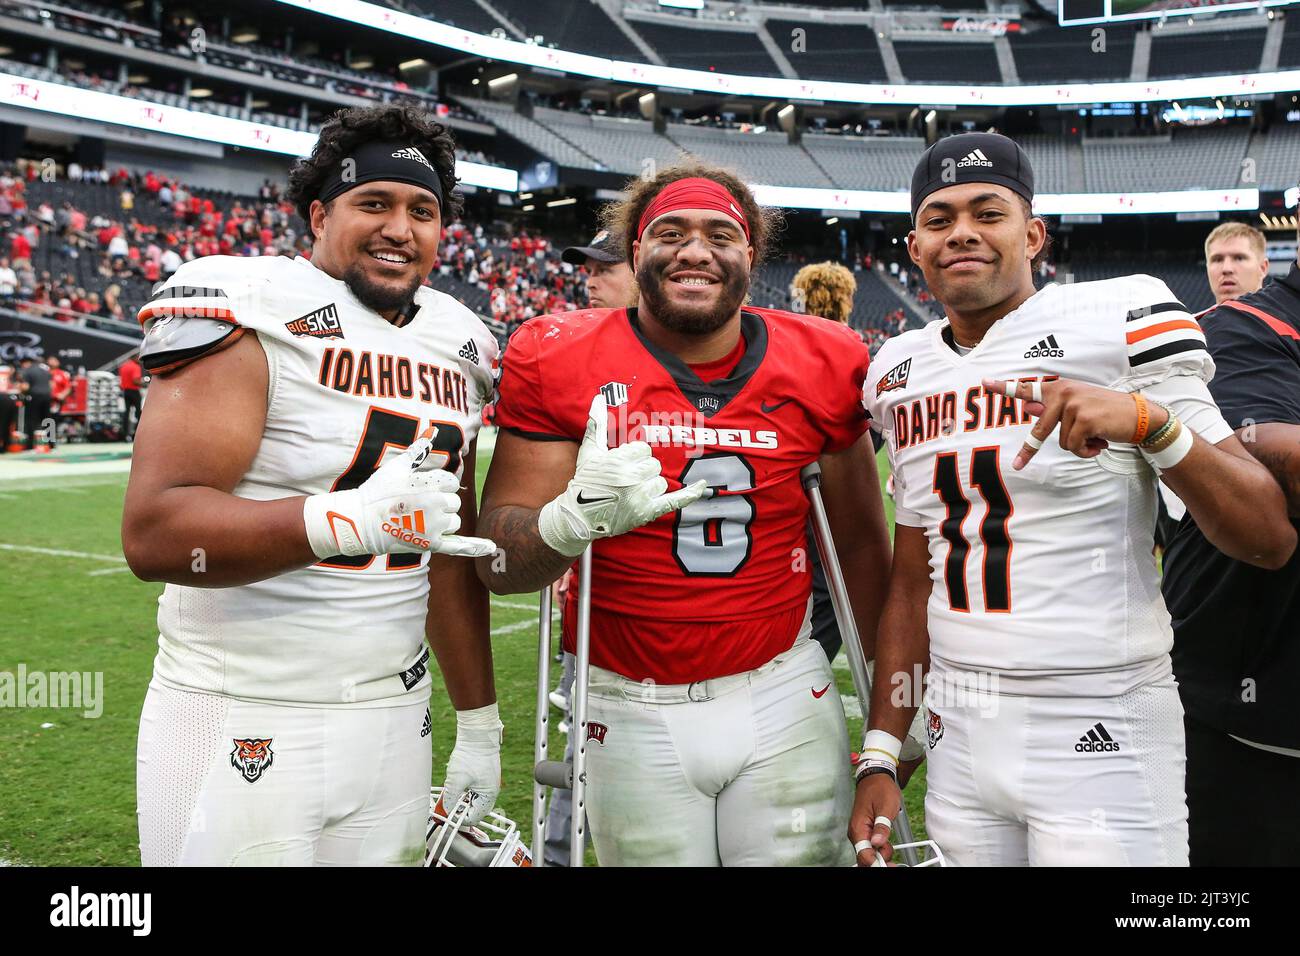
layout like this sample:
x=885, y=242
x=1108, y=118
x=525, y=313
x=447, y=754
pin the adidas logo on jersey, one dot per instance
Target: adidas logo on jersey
x=413, y=154
x=469, y=352
x=1096, y=740
x=428, y=724
x=975, y=157
x=1046, y=348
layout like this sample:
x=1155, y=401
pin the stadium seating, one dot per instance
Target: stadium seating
x=578, y=25
x=1051, y=54
x=1187, y=159
x=938, y=62
x=465, y=14
x=855, y=162
x=723, y=51
x=1186, y=279
x=1277, y=156
x=762, y=157
x=1052, y=159
x=1228, y=51
x=534, y=134
x=621, y=145
x=1289, y=58
x=833, y=51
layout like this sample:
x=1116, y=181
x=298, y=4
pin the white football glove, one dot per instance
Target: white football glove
x=612, y=491
x=406, y=507
x=474, y=767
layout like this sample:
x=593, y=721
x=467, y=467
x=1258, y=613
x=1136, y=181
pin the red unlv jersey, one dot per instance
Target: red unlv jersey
x=722, y=586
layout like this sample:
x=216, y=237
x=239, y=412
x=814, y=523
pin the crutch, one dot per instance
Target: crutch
x=558, y=773
x=811, y=476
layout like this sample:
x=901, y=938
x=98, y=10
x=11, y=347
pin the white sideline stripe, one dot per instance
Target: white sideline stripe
x=55, y=552
x=510, y=628
x=498, y=602
x=95, y=574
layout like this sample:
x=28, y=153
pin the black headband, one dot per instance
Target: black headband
x=382, y=162
x=972, y=158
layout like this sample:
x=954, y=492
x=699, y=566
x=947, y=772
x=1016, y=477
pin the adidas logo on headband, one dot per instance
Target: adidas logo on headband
x=975, y=157
x=410, y=152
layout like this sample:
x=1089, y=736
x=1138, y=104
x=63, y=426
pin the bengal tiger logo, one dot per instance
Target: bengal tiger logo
x=252, y=757
x=934, y=731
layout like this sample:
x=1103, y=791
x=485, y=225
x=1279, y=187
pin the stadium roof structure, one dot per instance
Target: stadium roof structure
x=372, y=15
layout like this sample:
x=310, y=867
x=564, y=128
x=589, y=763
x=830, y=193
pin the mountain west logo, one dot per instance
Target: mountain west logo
x=1046, y=348
x=322, y=324
x=415, y=155
x=975, y=157
x=252, y=757
x=469, y=352
x=896, y=377
x=615, y=394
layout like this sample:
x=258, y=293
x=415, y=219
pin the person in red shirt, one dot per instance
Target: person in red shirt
x=20, y=250
x=129, y=374
x=60, y=383
x=710, y=726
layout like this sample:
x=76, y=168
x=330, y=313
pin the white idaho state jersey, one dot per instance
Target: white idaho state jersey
x=347, y=389
x=1049, y=570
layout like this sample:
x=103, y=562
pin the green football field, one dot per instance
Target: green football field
x=69, y=604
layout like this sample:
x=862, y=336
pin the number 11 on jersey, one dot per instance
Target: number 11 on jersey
x=985, y=477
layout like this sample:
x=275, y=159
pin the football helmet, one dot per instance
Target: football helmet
x=493, y=841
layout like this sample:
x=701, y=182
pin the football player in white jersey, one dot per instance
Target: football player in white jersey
x=300, y=489
x=1023, y=574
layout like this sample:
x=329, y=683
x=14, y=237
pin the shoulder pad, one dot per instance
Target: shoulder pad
x=171, y=342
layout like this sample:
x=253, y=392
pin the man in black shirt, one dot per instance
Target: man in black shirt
x=34, y=379
x=1236, y=627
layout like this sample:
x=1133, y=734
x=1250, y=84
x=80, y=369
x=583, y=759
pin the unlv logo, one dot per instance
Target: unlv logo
x=29, y=90
x=152, y=114
x=252, y=757
x=596, y=732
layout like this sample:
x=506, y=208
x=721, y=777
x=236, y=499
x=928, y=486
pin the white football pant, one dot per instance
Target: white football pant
x=758, y=775
x=1058, y=781
x=224, y=782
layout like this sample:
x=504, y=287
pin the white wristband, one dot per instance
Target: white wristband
x=881, y=745
x=1176, y=452
x=474, y=722
x=322, y=517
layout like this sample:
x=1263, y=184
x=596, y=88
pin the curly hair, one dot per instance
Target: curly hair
x=827, y=289
x=347, y=129
x=621, y=218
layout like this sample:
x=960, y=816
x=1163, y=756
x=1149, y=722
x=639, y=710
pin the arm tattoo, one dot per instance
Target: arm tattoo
x=528, y=563
x=1286, y=470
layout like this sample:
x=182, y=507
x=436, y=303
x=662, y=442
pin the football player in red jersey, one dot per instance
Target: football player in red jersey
x=716, y=735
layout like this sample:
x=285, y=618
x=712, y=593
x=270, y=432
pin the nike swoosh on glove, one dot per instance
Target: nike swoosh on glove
x=612, y=491
x=474, y=768
x=406, y=507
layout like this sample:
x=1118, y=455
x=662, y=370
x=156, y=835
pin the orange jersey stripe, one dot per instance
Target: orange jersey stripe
x=1151, y=330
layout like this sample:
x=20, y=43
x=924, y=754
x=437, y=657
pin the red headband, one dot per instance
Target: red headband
x=695, y=193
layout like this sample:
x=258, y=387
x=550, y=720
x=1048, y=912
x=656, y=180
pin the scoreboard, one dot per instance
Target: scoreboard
x=1071, y=12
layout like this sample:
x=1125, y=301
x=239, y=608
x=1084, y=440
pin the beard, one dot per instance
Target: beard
x=690, y=321
x=378, y=297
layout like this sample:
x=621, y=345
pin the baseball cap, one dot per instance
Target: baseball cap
x=972, y=158
x=603, y=248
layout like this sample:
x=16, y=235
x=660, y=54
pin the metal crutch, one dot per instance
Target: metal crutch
x=811, y=476
x=558, y=773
